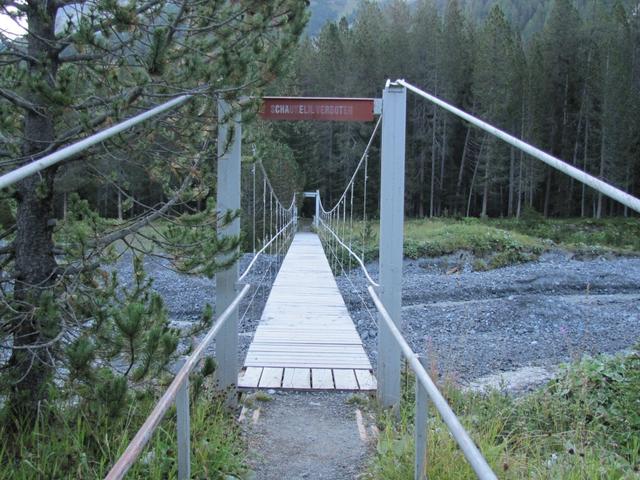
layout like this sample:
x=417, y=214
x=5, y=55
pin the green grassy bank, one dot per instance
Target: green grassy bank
x=585, y=424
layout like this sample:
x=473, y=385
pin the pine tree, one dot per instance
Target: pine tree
x=82, y=67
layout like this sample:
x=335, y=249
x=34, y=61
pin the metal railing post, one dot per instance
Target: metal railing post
x=421, y=427
x=394, y=104
x=228, y=198
x=184, y=431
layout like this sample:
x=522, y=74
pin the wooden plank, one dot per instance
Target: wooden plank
x=271, y=378
x=366, y=380
x=321, y=379
x=297, y=378
x=345, y=379
x=308, y=349
x=250, y=377
x=306, y=363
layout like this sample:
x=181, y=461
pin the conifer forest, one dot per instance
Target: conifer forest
x=569, y=85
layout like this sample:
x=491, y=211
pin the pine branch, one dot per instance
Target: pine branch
x=20, y=102
x=146, y=220
x=67, y=41
x=130, y=96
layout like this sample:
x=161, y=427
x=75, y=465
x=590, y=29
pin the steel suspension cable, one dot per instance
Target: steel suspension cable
x=334, y=221
x=281, y=223
x=595, y=183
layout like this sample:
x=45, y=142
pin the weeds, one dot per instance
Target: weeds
x=584, y=424
x=69, y=442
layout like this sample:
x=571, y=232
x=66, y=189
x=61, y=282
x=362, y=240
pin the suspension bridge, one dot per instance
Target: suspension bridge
x=306, y=339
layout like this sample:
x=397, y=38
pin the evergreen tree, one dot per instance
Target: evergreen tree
x=80, y=67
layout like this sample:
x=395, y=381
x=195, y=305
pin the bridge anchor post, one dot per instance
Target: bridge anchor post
x=228, y=198
x=394, y=104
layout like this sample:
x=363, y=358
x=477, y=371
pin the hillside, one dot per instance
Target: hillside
x=528, y=17
x=323, y=11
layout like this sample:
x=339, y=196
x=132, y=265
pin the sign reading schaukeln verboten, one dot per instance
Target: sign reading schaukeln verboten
x=316, y=108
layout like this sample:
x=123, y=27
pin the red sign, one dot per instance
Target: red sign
x=316, y=108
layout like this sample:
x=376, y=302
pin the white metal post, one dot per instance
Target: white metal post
x=394, y=104
x=228, y=198
x=421, y=427
x=316, y=219
x=184, y=431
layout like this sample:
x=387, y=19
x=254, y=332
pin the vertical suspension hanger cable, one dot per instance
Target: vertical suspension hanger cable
x=264, y=210
x=351, y=225
x=364, y=205
x=253, y=229
x=271, y=219
x=344, y=218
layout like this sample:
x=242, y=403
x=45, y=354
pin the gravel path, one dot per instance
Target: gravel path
x=308, y=435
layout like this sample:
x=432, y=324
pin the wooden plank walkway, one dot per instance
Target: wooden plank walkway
x=306, y=339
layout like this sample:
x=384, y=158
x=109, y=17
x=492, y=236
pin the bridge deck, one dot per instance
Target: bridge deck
x=306, y=339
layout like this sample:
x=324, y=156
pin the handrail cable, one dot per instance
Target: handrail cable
x=362, y=159
x=462, y=438
x=266, y=176
x=285, y=220
x=595, y=183
x=353, y=254
x=64, y=153
x=135, y=447
x=347, y=276
x=268, y=244
x=336, y=217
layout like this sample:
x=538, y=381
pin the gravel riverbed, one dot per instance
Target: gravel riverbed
x=539, y=314
x=469, y=324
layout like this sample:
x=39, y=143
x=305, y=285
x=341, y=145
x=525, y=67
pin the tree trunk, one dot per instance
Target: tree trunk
x=35, y=264
x=585, y=158
x=603, y=139
x=443, y=155
x=459, y=198
x=519, y=207
x=547, y=192
x=485, y=193
x=433, y=162
x=475, y=173
x=120, y=204
x=512, y=180
x=421, y=177
x=627, y=186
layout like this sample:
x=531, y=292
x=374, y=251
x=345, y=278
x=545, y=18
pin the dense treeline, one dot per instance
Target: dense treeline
x=573, y=90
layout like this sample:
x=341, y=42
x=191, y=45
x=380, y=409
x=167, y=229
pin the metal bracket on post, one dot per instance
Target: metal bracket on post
x=228, y=198
x=394, y=99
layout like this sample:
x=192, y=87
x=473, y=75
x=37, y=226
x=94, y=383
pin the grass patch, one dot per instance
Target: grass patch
x=583, y=235
x=70, y=442
x=498, y=243
x=584, y=424
x=263, y=397
x=434, y=238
